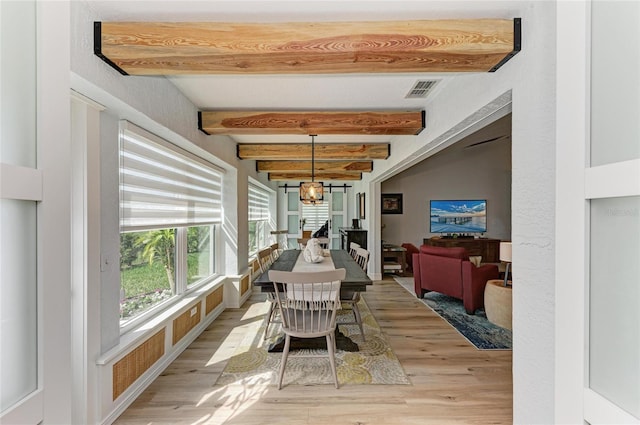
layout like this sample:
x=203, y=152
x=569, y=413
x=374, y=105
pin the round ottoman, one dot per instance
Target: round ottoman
x=497, y=303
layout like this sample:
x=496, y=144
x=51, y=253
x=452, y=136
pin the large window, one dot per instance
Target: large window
x=258, y=219
x=315, y=216
x=170, y=202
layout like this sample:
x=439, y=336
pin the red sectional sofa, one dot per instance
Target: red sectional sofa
x=411, y=249
x=449, y=271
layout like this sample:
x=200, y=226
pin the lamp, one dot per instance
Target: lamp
x=312, y=192
x=505, y=255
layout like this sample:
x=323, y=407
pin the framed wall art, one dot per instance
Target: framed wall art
x=392, y=203
x=361, y=206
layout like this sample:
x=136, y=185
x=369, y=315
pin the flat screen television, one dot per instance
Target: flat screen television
x=458, y=216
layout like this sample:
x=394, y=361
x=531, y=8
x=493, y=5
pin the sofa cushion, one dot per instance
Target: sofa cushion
x=454, y=252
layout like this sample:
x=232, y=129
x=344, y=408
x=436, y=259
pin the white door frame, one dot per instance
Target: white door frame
x=577, y=183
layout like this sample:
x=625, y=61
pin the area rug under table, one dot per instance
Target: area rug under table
x=476, y=328
x=375, y=363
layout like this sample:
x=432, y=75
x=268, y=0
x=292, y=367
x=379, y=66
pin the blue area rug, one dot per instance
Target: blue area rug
x=483, y=334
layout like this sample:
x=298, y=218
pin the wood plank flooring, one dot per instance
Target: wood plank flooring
x=452, y=381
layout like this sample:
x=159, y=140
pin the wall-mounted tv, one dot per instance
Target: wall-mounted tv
x=458, y=216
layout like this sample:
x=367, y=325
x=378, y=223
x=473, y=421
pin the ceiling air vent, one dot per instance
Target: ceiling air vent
x=421, y=88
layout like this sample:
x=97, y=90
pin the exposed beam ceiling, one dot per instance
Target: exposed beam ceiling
x=179, y=48
x=318, y=166
x=299, y=151
x=312, y=122
x=317, y=176
x=261, y=61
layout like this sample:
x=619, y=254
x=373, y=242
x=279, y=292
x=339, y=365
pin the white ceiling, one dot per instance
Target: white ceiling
x=304, y=92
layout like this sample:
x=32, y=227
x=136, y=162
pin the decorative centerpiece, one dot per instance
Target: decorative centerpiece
x=313, y=252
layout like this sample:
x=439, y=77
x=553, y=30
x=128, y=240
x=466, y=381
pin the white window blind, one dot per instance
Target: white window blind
x=315, y=215
x=258, y=203
x=163, y=185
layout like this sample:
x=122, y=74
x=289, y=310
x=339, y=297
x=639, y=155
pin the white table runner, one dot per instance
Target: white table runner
x=303, y=266
x=325, y=265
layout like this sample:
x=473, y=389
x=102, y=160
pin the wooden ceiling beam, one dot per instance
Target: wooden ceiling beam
x=319, y=177
x=312, y=122
x=174, y=48
x=319, y=166
x=302, y=151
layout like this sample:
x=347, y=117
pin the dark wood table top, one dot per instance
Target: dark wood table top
x=355, y=280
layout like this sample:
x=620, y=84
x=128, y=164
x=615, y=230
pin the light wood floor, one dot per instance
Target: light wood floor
x=452, y=381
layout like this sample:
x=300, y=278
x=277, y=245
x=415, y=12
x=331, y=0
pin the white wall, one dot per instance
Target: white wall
x=527, y=82
x=481, y=172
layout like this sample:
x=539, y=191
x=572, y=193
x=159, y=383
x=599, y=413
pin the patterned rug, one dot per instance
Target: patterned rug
x=483, y=334
x=375, y=363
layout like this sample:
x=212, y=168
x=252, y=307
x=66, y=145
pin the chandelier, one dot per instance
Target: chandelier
x=312, y=193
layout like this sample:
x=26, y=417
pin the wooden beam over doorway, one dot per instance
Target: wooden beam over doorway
x=178, y=48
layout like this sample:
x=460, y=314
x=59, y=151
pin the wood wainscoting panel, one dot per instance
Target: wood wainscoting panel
x=137, y=362
x=244, y=284
x=185, y=322
x=214, y=299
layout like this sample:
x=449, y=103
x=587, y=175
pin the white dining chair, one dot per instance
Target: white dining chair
x=352, y=249
x=308, y=302
x=265, y=260
x=362, y=258
x=302, y=243
x=275, y=251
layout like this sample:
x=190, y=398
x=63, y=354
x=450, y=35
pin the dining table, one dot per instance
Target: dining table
x=356, y=280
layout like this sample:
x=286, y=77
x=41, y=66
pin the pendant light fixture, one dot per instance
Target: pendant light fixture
x=312, y=192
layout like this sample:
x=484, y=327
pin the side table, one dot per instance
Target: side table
x=394, y=259
x=498, y=303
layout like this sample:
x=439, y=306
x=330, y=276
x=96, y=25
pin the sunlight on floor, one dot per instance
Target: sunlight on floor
x=250, y=321
x=256, y=310
x=233, y=399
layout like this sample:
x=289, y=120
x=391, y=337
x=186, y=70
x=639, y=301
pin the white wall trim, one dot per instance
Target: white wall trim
x=600, y=411
x=571, y=212
x=612, y=180
x=54, y=212
x=27, y=411
x=86, y=242
x=30, y=183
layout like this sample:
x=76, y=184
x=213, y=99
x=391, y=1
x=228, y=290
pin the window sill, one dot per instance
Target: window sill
x=144, y=329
